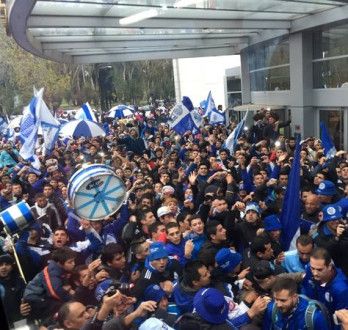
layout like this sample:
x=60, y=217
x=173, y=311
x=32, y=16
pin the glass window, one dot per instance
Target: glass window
x=233, y=84
x=271, y=79
x=330, y=42
x=234, y=99
x=331, y=73
x=333, y=120
x=273, y=53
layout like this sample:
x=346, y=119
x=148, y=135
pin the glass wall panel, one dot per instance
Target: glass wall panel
x=233, y=84
x=331, y=73
x=270, y=79
x=234, y=99
x=333, y=119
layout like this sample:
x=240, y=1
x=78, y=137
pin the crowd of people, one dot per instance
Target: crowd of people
x=196, y=245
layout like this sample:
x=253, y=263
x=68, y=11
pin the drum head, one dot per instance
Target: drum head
x=99, y=196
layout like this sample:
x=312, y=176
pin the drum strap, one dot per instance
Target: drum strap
x=49, y=284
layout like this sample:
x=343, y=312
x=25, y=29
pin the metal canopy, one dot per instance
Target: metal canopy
x=89, y=31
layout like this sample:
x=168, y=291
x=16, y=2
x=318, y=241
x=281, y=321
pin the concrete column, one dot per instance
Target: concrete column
x=245, y=78
x=176, y=75
x=301, y=84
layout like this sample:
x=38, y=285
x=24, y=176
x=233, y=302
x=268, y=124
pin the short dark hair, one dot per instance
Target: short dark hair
x=211, y=228
x=61, y=228
x=258, y=244
x=142, y=213
x=304, y=240
x=172, y=225
x=194, y=217
x=182, y=216
x=322, y=254
x=154, y=227
x=190, y=272
x=285, y=284
x=63, y=254
x=39, y=195
x=109, y=251
x=76, y=272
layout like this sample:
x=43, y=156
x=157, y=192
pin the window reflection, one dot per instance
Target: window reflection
x=271, y=79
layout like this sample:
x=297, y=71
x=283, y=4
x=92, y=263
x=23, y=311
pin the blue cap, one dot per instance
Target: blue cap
x=228, y=259
x=157, y=251
x=210, y=305
x=326, y=188
x=272, y=223
x=331, y=213
x=154, y=292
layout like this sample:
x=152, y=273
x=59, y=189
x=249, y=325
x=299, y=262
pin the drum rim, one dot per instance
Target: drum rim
x=78, y=172
x=113, y=212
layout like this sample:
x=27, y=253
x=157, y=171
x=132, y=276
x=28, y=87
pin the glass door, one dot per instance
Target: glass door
x=334, y=121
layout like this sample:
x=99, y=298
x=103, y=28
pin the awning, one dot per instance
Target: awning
x=256, y=107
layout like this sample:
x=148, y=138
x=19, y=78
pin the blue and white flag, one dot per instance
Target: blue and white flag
x=86, y=113
x=291, y=209
x=214, y=115
x=49, y=124
x=180, y=119
x=232, y=139
x=329, y=147
x=28, y=130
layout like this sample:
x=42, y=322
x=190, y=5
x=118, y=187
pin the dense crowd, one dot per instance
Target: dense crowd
x=196, y=245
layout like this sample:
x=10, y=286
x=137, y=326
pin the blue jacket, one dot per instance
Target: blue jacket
x=6, y=159
x=198, y=241
x=177, y=251
x=183, y=297
x=292, y=262
x=295, y=320
x=334, y=295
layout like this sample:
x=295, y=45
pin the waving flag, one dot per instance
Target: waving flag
x=214, y=115
x=290, y=215
x=3, y=125
x=232, y=139
x=85, y=113
x=49, y=124
x=329, y=147
x=180, y=119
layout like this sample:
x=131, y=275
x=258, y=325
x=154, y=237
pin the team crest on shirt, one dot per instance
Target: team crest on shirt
x=322, y=185
x=328, y=297
x=331, y=211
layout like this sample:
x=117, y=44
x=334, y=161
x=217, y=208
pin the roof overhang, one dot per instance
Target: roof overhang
x=89, y=31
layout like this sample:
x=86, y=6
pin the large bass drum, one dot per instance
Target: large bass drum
x=96, y=192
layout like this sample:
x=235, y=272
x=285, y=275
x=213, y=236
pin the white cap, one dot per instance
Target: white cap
x=163, y=210
x=154, y=324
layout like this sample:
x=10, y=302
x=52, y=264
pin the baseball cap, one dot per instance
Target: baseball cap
x=163, y=210
x=326, y=188
x=228, y=259
x=331, y=213
x=211, y=305
x=153, y=292
x=157, y=251
x=272, y=223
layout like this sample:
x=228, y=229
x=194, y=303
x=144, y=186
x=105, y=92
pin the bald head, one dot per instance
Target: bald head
x=312, y=204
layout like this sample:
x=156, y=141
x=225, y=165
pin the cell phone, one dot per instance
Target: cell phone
x=336, y=320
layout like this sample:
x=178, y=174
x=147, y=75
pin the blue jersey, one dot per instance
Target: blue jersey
x=334, y=294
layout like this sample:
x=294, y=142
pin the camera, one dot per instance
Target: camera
x=124, y=288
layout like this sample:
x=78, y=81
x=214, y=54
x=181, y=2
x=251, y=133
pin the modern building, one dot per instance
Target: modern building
x=294, y=53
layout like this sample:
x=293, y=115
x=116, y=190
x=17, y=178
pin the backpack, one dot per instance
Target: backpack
x=313, y=305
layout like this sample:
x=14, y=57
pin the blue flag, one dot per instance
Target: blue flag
x=290, y=215
x=85, y=113
x=28, y=130
x=232, y=139
x=329, y=147
x=180, y=119
x=214, y=115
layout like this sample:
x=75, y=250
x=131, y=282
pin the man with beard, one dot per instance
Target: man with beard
x=288, y=310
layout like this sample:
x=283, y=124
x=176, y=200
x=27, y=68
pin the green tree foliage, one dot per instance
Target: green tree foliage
x=131, y=82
